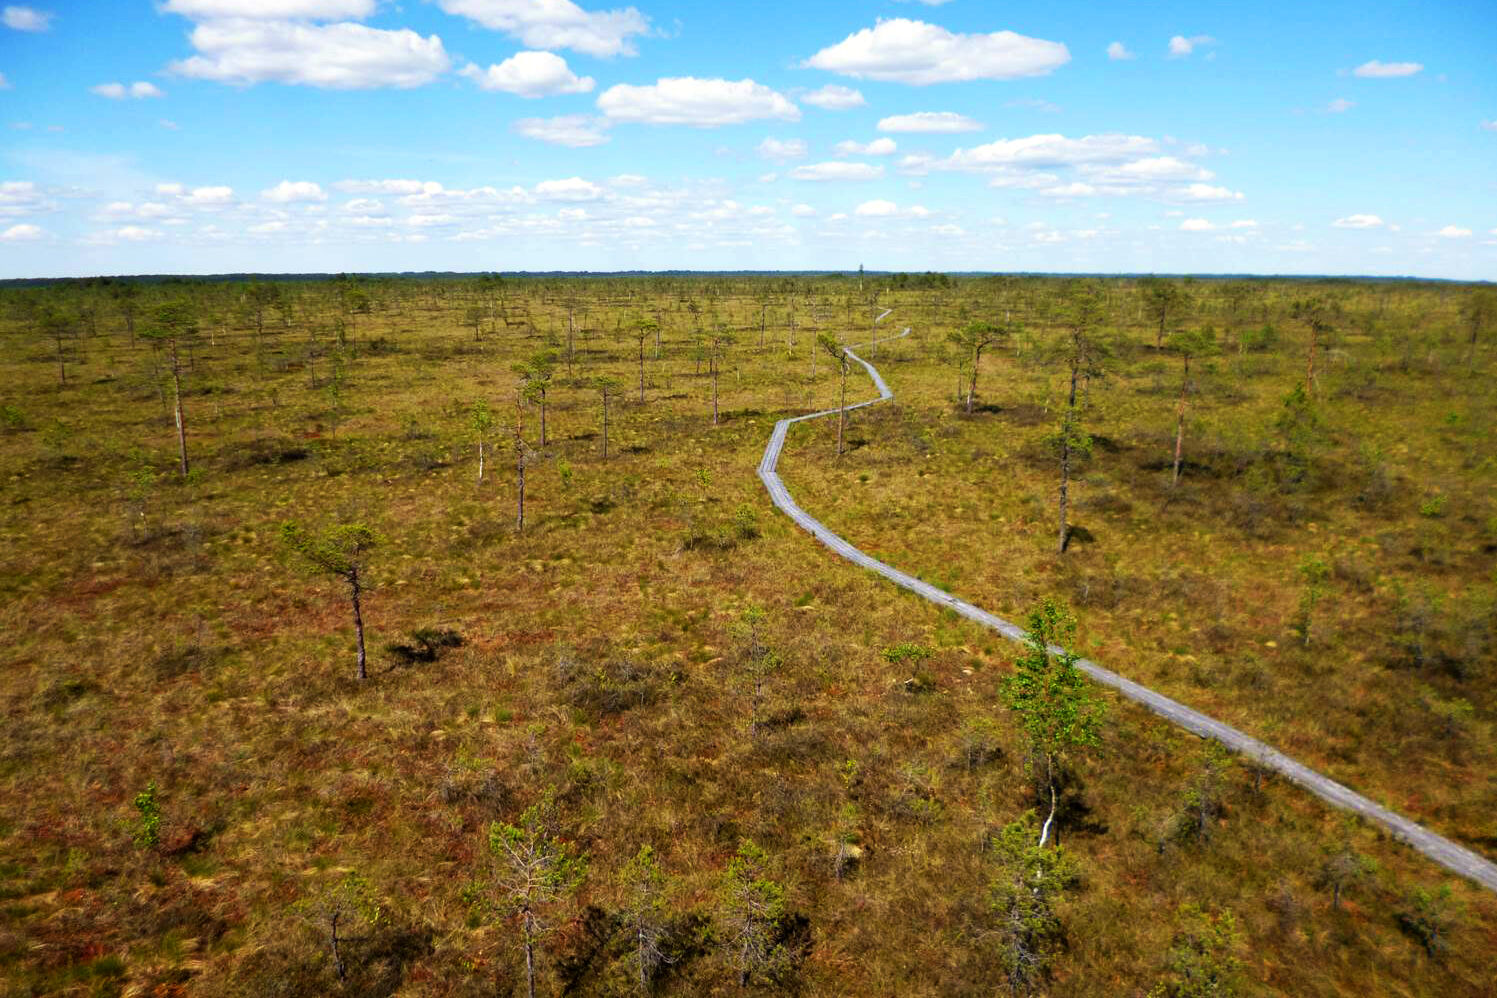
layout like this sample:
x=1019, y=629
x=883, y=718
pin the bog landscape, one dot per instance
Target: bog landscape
x=620, y=717
x=862, y=499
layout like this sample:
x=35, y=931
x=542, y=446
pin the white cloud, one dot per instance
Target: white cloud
x=26, y=19
x=1180, y=46
x=169, y=125
x=1048, y=107
x=288, y=191
x=782, y=149
x=271, y=10
x=343, y=56
x=1244, y=223
x=703, y=103
x=1117, y=50
x=1205, y=192
x=1053, y=150
x=118, y=91
x=22, y=233
x=266, y=228
x=576, y=131
x=1454, y=232
x=22, y=197
x=1196, y=225
x=1358, y=222
x=1075, y=189
x=1340, y=105
x=940, y=122
x=530, y=74
x=556, y=24
x=834, y=98
x=571, y=189
x=878, y=147
x=914, y=52
x=135, y=234
x=1153, y=168
x=388, y=186
x=803, y=211
x=876, y=209
x=837, y=171
x=1386, y=70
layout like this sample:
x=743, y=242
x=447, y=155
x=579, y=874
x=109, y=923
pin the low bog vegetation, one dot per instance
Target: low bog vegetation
x=626, y=730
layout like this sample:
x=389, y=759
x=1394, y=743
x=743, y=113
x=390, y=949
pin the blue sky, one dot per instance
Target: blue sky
x=203, y=136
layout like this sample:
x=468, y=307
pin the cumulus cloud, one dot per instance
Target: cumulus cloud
x=878, y=147
x=1113, y=165
x=1054, y=150
x=26, y=19
x=342, y=56
x=1196, y=225
x=1377, y=70
x=834, y=98
x=22, y=233
x=939, y=122
x=291, y=191
x=556, y=24
x=876, y=208
x=1358, y=222
x=1340, y=105
x=837, y=171
x=1205, y=192
x=905, y=51
x=702, y=103
x=271, y=10
x=1117, y=51
x=1180, y=46
x=576, y=131
x=393, y=186
x=571, y=189
x=23, y=197
x=118, y=91
x=782, y=148
x=1454, y=232
x=530, y=74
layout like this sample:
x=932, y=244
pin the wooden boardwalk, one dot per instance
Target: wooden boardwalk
x=1448, y=854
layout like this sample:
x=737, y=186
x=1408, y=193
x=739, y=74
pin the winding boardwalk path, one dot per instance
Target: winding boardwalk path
x=1443, y=851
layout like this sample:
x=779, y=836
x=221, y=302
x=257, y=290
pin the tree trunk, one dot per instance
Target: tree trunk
x=529, y=959
x=571, y=330
x=62, y=370
x=1310, y=362
x=714, y=391
x=1065, y=456
x=519, y=467
x=605, y=427
x=337, y=953
x=480, y=460
x=358, y=619
x=763, y=315
x=641, y=371
x=1180, y=423
x=972, y=386
x=177, y=405
x=842, y=409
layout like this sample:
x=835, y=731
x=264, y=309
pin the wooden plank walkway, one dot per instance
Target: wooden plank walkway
x=1448, y=854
